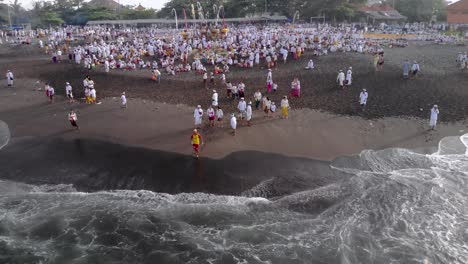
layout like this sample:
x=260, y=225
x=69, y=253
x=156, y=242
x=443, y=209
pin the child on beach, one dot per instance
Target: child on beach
x=72, y=118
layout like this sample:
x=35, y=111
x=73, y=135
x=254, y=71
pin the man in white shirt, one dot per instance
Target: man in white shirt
x=258, y=98
x=233, y=124
x=249, y=113
x=349, y=76
x=123, y=100
x=415, y=69
x=214, y=98
x=198, y=115
x=434, y=117
x=340, y=79
x=10, y=78
x=69, y=92
x=242, y=107
x=363, y=98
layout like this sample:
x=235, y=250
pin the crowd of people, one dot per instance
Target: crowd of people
x=162, y=51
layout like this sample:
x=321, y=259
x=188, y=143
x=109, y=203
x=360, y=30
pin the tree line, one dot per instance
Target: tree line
x=78, y=12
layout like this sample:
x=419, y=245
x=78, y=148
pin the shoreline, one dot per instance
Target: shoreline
x=166, y=127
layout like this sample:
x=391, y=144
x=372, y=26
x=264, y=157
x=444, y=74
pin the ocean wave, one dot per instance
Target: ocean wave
x=397, y=206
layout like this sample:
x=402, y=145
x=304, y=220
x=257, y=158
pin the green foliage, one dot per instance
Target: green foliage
x=422, y=10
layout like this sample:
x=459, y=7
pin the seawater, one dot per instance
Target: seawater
x=397, y=206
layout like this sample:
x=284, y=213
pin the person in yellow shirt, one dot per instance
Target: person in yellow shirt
x=196, y=142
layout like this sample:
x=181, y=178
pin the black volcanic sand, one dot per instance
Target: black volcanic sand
x=440, y=82
x=96, y=165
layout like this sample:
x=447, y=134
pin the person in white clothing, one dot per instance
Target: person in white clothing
x=434, y=117
x=123, y=100
x=363, y=98
x=233, y=124
x=198, y=116
x=92, y=95
x=248, y=113
x=415, y=69
x=310, y=65
x=73, y=118
x=211, y=115
x=340, y=79
x=10, y=78
x=107, y=66
x=214, y=98
x=69, y=92
x=349, y=76
x=220, y=116
x=242, y=107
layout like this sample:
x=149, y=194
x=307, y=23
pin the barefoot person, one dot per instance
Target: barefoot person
x=340, y=79
x=123, y=101
x=233, y=124
x=10, y=78
x=248, y=113
x=69, y=92
x=219, y=116
x=211, y=115
x=434, y=117
x=196, y=139
x=73, y=118
x=363, y=98
x=285, y=108
x=50, y=92
x=296, y=88
x=198, y=116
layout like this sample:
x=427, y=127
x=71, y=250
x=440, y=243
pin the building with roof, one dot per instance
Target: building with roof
x=140, y=8
x=377, y=13
x=457, y=13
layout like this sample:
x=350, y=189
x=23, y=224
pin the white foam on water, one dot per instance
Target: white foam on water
x=400, y=207
x=4, y=134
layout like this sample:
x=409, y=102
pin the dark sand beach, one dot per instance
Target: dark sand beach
x=332, y=184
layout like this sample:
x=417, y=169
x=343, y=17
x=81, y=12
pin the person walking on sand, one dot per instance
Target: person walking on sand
x=349, y=76
x=69, y=92
x=269, y=82
x=257, y=98
x=242, y=107
x=10, y=78
x=92, y=95
x=211, y=115
x=406, y=69
x=376, y=61
x=340, y=79
x=214, y=99
x=205, y=79
x=198, y=116
x=73, y=118
x=50, y=92
x=415, y=69
x=123, y=101
x=248, y=113
x=380, y=62
x=233, y=124
x=434, y=117
x=363, y=98
x=219, y=116
x=197, y=140
x=157, y=75
x=296, y=88
x=285, y=108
